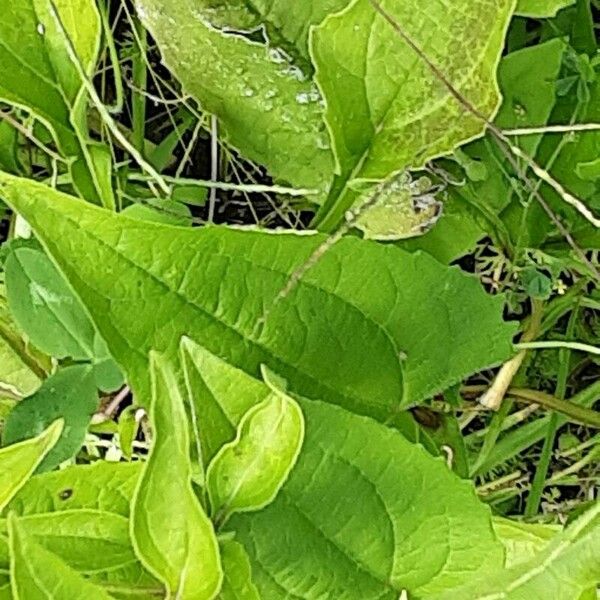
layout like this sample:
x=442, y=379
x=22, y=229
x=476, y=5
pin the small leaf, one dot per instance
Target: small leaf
x=523, y=541
x=247, y=474
x=69, y=394
x=87, y=540
x=17, y=373
x=49, y=86
x=51, y=315
x=172, y=535
x=237, y=580
x=540, y=9
x=44, y=307
x=128, y=428
x=216, y=423
x=565, y=569
x=38, y=574
x=19, y=461
x=99, y=486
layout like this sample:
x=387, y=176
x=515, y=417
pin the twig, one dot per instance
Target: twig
x=559, y=344
x=492, y=399
x=569, y=408
x=26, y=133
x=552, y=129
x=214, y=166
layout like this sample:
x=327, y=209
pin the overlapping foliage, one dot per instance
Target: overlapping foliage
x=257, y=413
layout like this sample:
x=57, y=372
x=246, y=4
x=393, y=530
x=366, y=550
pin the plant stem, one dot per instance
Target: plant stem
x=493, y=397
x=539, y=480
x=559, y=344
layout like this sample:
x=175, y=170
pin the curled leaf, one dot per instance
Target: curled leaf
x=19, y=461
x=171, y=533
x=246, y=474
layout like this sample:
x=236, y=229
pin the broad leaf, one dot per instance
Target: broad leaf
x=87, y=540
x=385, y=108
x=565, y=570
x=237, y=574
x=247, y=473
x=46, y=309
x=19, y=461
x=406, y=331
x=266, y=107
x=527, y=80
x=541, y=8
x=69, y=394
x=37, y=573
x=363, y=514
x=171, y=533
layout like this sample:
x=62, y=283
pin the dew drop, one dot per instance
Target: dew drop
x=41, y=29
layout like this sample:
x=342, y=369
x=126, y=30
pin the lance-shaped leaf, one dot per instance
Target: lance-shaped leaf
x=171, y=533
x=566, y=569
x=411, y=329
x=237, y=573
x=82, y=513
x=38, y=75
x=267, y=107
x=99, y=486
x=247, y=474
x=364, y=514
x=87, y=540
x=19, y=461
x=385, y=107
x=37, y=573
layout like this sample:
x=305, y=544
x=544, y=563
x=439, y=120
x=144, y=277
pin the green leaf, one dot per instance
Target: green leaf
x=172, y=535
x=523, y=541
x=9, y=138
x=38, y=75
x=69, y=394
x=37, y=573
x=378, y=91
x=87, y=540
x=247, y=473
x=19, y=461
x=104, y=489
x=267, y=108
x=363, y=514
x=527, y=79
x=49, y=313
x=237, y=579
x=20, y=371
x=99, y=486
x=406, y=332
x=44, y=306
x=540, y=9
x=567, y=567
